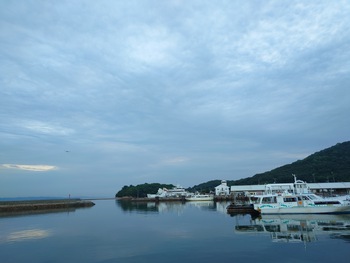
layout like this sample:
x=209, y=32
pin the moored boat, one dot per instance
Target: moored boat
x=168, y=193
x=200, y=197
x=287, y=203
x=296, y=199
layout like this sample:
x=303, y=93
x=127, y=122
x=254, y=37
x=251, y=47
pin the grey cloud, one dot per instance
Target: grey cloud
x=176, y=92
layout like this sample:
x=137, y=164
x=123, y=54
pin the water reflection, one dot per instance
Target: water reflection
x=297, y=228
x=163, y=207
x=203, y=232
x=24, y=235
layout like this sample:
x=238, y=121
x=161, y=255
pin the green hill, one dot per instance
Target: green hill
x=329, y=165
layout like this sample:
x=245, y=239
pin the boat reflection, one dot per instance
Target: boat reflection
x=298, y=228
x=163, y=207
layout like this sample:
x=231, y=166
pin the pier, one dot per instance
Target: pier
x=241, y=208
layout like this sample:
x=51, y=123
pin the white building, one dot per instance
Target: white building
x=222, y=189
x=342, y=188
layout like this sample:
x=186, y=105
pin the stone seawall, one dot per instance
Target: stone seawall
x=36, y=205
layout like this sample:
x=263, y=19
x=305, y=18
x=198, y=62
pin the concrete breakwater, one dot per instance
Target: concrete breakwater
x=38, y=205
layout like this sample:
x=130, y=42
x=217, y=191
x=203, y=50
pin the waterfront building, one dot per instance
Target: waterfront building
x=222, y=189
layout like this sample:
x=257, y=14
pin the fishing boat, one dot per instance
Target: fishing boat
x=200, y=197
x=296, y=199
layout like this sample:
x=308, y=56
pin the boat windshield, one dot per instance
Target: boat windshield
x=269, y=199
x=263, y=199
x=290, y=199
x=254, y=200
x=313, y=197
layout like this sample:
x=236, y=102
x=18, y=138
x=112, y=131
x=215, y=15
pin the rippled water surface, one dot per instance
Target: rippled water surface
x=112, y=231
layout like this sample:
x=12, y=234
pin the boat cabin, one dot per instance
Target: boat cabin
x=298, y=187
x=276, y=198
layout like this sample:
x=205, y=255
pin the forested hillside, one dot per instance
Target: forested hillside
x=141, y=190
x=329, y=165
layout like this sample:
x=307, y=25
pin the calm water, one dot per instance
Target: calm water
x=121, y=232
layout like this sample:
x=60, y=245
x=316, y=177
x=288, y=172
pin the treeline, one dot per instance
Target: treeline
x=204, y=187
x=141, y=190
x=208, y=187
x=329, y=165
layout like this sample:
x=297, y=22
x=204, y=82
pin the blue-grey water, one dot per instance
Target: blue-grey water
x=112, y=231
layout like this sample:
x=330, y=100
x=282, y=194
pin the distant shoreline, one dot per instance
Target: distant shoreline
x=169, y=199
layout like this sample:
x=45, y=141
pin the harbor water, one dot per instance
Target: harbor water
x=115, y=231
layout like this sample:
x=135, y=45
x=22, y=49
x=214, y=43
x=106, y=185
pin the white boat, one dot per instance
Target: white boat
x=284, y=199
x=200, y=197
x=168, y=193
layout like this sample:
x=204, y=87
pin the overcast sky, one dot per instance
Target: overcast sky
x=95, y=95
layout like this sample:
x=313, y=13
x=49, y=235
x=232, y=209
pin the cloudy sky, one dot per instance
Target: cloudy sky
x=95, y=95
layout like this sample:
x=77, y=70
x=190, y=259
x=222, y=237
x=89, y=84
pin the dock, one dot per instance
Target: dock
x=243, y=208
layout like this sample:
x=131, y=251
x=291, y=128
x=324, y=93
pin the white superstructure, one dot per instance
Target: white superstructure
x=177, y=191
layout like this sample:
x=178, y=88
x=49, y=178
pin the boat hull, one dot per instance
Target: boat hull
x=210, y=198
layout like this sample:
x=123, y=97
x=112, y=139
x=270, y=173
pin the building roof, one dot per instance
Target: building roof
x=337, y=185
x=242, y=188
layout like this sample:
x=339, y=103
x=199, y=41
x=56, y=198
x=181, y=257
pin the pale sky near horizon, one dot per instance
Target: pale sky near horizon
x=95, y=95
